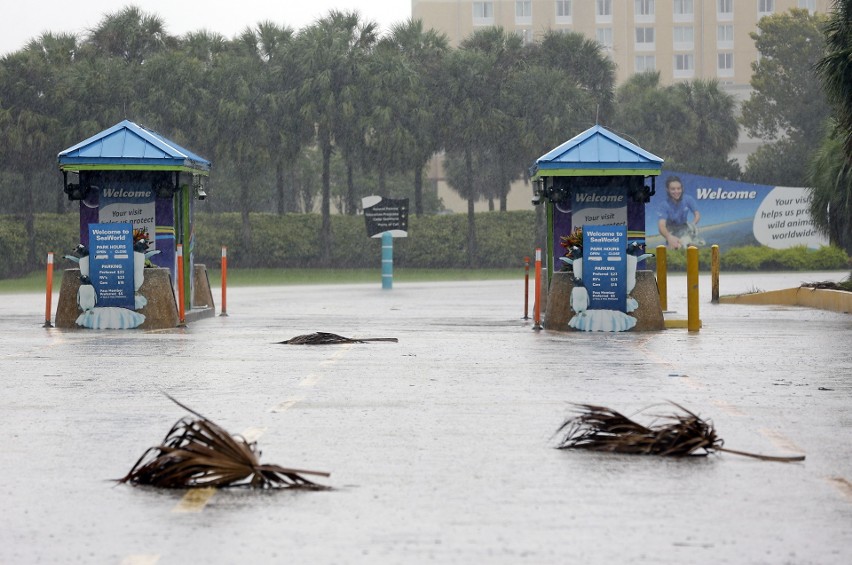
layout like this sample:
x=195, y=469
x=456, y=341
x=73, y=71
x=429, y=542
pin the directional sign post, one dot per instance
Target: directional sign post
x=386, y=218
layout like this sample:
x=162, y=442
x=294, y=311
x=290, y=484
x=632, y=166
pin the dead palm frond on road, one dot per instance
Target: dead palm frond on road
x=325, y=338
x=198, y=453
x=598, y=428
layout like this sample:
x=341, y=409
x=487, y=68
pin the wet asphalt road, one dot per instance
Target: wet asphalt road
x=440, y=446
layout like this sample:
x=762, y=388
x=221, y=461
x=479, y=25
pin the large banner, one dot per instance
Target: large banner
x=730, y=214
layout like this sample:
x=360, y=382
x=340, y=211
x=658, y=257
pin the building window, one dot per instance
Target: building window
x=644, y=39
x=725, y=10
x=684, y=38
x=483, y=13
x=684, y=10
x=563, y=11
x=725, y=66
x=523, y=12
x=603, y=11
x=526, y=36
x=765, y=7
x=643, y=7
x=604, y=37
x=684, y=65
x=645, y=63
x=725, y=36
x=643, y=11
x=809, y=5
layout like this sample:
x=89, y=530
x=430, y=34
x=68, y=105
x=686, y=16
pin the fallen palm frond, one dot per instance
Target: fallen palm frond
x=598, y=428
x=198, y=453
x=323, y=338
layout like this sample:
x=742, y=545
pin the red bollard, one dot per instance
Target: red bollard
x=49, y=297
x=537, y=306
x=526, y=288
x=181, y=310
x=224, y=281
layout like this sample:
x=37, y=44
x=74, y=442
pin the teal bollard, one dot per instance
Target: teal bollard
x=387, y=261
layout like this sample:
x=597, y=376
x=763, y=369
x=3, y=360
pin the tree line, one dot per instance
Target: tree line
x=299, y=121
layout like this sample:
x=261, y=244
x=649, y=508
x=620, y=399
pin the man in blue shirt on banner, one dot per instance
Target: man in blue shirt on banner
x=673, y=216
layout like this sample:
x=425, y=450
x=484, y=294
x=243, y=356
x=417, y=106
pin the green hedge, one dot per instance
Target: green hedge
x=292, y=241
x=757, y=258
x=434, y=242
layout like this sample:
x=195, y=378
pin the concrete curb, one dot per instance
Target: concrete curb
x=819, y=298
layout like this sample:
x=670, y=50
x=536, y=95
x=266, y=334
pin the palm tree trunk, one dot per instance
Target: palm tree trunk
x=325, y=206
x=351, y=205
x=418, y=190
x=29, y=221
x=471, y=198
x=279, y=187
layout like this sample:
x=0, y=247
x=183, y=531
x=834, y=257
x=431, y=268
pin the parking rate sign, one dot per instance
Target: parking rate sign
x=111, y=264
x=605, y=266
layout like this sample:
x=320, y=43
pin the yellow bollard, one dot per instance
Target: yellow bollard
x=714, y=274
x=693, y=322
x=661, y=277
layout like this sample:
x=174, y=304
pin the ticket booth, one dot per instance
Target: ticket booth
x=597, y=183
x=131, y=175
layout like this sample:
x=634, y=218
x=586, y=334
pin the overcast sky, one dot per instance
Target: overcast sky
x=24, y=20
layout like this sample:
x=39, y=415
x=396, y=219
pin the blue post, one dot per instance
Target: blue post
x=387, y=260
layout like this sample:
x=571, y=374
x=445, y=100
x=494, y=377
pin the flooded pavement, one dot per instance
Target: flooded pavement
x=440, y=446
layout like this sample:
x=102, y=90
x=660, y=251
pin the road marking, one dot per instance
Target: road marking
x=253, y=434
x=140, y=560
x=194, y=500
x=287, y=404
x=843, y=485
x=728, y=408
x=335, y=357
x=310, y=380
x=780, y=440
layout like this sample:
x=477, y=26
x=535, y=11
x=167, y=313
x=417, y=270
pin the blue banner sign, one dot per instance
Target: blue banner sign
x=728, y=213
x=111, y=264
x=605, y=266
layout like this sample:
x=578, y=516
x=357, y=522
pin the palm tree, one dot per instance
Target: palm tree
x=830, y=179
x=329, y=54
x=469, y=123
x=131, y=35
x=835, y=68
x=420, y=112
x=830, y=173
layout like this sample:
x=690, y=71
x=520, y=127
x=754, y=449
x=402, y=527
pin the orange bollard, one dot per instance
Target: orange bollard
x=526, y=288
x=181, y=310
x=537, y=306
x=224, y=281
x=49, y=297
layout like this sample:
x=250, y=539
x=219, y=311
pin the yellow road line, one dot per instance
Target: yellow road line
x=310, y=380
x=194, y=500
x=729, y=408
x=780, y=440
x=287, y=404
x=253, y=434
x=843, y=485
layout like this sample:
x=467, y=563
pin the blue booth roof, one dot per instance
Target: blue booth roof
x=129, y=146
x=596, y=152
